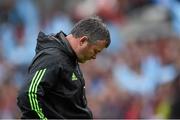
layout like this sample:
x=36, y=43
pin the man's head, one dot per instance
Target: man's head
x=91, y=36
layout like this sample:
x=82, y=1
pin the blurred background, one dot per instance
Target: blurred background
x=136, y=77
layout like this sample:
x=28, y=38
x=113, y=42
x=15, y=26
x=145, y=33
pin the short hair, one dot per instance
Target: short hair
x=93, y=28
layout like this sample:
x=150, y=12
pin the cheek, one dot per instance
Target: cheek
x=87, y=52
x=84, y=53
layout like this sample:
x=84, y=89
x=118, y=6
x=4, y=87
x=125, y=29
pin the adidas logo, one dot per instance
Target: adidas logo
x=73, y=77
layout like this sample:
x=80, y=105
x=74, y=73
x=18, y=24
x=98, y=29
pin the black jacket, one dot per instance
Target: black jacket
x=55, y=86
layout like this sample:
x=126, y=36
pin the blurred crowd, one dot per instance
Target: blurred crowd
x=138, y=76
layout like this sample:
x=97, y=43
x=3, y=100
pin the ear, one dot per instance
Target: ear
x=83, y=39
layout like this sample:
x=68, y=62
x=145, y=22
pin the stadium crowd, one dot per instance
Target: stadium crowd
x=136, y=77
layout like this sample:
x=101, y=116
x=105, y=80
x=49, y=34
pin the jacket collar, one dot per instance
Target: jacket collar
x=61, y=36
x=55, y=41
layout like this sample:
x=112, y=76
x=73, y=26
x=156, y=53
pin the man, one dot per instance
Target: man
x=55, y=87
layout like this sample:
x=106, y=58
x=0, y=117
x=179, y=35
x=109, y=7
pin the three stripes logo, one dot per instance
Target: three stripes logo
x=73, y=77
x=32, y=93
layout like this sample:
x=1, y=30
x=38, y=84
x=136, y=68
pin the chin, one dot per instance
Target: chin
x=81, y=61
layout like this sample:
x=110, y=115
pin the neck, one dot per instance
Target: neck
x=73, y=42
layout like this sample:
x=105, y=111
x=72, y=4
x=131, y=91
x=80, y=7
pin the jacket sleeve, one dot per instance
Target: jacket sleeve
x=43, y=74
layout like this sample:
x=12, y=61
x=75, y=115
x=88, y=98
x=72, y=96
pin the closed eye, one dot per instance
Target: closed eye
x=96, y=51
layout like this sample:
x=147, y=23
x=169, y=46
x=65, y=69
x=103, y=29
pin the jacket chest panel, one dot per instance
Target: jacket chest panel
x=71, y=77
